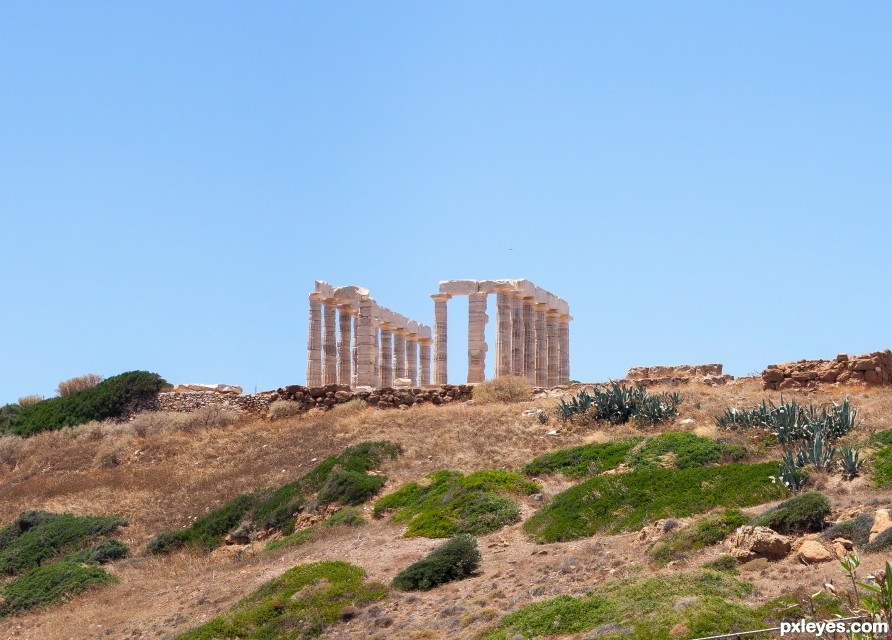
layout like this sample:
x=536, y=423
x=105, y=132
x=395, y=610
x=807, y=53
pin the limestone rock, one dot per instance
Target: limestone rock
x=750, y=542
x=215, y=388
x=813, y=552
x=881, y=522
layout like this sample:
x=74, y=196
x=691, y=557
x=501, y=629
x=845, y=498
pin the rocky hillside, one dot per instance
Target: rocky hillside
x=652, y=524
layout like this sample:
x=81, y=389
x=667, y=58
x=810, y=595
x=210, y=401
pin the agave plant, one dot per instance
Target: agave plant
x=817, y=452
x=790, y=474
x=850, y=462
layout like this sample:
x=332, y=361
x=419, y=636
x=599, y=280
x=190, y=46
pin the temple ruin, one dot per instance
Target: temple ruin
x=372, y=346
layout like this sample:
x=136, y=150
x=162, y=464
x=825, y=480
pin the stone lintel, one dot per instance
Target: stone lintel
x=458, y=287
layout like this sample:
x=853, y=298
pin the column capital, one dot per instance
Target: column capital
x=347, y=308
x=385, y=326
x=553, y=312
x=315, y=297
x=412, y=336
x=528, y=299
x=425, y=341
x=565, y=317
x=400, y=331
x=441, y=297
x=541, y=306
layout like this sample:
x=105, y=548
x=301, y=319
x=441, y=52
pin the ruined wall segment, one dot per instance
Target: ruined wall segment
x=869, y=368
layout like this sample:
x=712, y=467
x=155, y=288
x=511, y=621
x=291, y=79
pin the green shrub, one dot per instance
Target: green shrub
x=681, y=450
x=9, y=416
x=292, y=540
x=340, y=478
x=805, y=512
x=857, y=530
x=585, y=460
x=502, y=389
x=723, y=563
x=453, y=560
x=881, y=543
x=36, y=537
x=454, y=503
x=703, y=533
x=881, y=461
x=627, y=501
x=348, y=516
x=108, y=551
x=883, y=438
x=300, y=603
x=705, y=602
x=108, y=399
x=48, y=584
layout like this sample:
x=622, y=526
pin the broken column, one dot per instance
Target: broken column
x=477, y=337
x=314, y=342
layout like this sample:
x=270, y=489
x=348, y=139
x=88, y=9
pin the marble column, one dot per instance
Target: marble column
x=376, y=380
x=314, y=342
x=516, y=334
x=551, y=328
x=440, y=347
x=477, y=337
x=541, y=346
x=399, y=353
x=412, y=358
x=329, y=343
x=503, y=331
x=529, y=341
x=564, y=348
x=365, y=344
x=386, y=358
x=345, y=339
x=424, y=362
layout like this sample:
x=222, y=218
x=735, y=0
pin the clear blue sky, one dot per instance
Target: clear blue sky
x=701, y=181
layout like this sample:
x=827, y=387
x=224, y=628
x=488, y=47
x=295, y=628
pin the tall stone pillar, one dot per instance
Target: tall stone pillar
x=345, y=352
x=329, y=343
x=517, y=334
x=503, y=331
x=529, y=341
x=365, y=343
x=551, y=328
x=541, y=346
x=564, y=348
x=424, y=362
x=440, y=374
x=399, y=353
x=314, y=342
x=412, y=358
x=385, y=375
x=477, y=337
x=355, y=350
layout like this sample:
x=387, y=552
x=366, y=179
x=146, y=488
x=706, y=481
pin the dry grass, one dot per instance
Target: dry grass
x=79, y=383
x=162, y=470
x=502, y=389
x=283, y=409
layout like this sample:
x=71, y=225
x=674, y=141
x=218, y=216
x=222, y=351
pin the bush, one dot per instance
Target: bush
x=703, y=533
x=454, y=503
x=283, y=409
x=502, y=389
x=883, y=438
x=108, y=551
x=625, y=502
x=9, y=416
x=27, y=401
x=881, y=543
x=805, y=512
x=35, y=537
x=857, y=530
x=585, y=460
x=881, y=461
x=348, y=516
x=681, y=450
x=341, y=478
x=723, y=563
x=78, y=384
x=618, y=404
x=108, y=399
x=47, y=584
x=300, y=603
x=454, y=560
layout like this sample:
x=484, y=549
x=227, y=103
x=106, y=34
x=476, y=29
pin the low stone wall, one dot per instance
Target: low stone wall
x=679, y=374
x=872, y=368
x=308, y=398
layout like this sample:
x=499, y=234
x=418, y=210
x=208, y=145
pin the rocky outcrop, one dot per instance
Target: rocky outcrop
x=748, y=543
x=872, y=368
x=215, y=388
x=680, y=374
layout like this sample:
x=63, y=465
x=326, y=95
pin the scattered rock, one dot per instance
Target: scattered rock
x=748, y=543
x=813, y=552
x=881, y=522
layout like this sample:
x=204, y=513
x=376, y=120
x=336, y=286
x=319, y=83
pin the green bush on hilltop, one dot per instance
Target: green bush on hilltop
x=108, y=399
x=703, y=533
x=584, y=460
x=803, y=513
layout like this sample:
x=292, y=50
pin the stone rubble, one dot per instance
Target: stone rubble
x=871, y=368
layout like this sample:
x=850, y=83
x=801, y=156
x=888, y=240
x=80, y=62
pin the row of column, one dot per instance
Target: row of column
x=532, y=340
x=363, y=351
